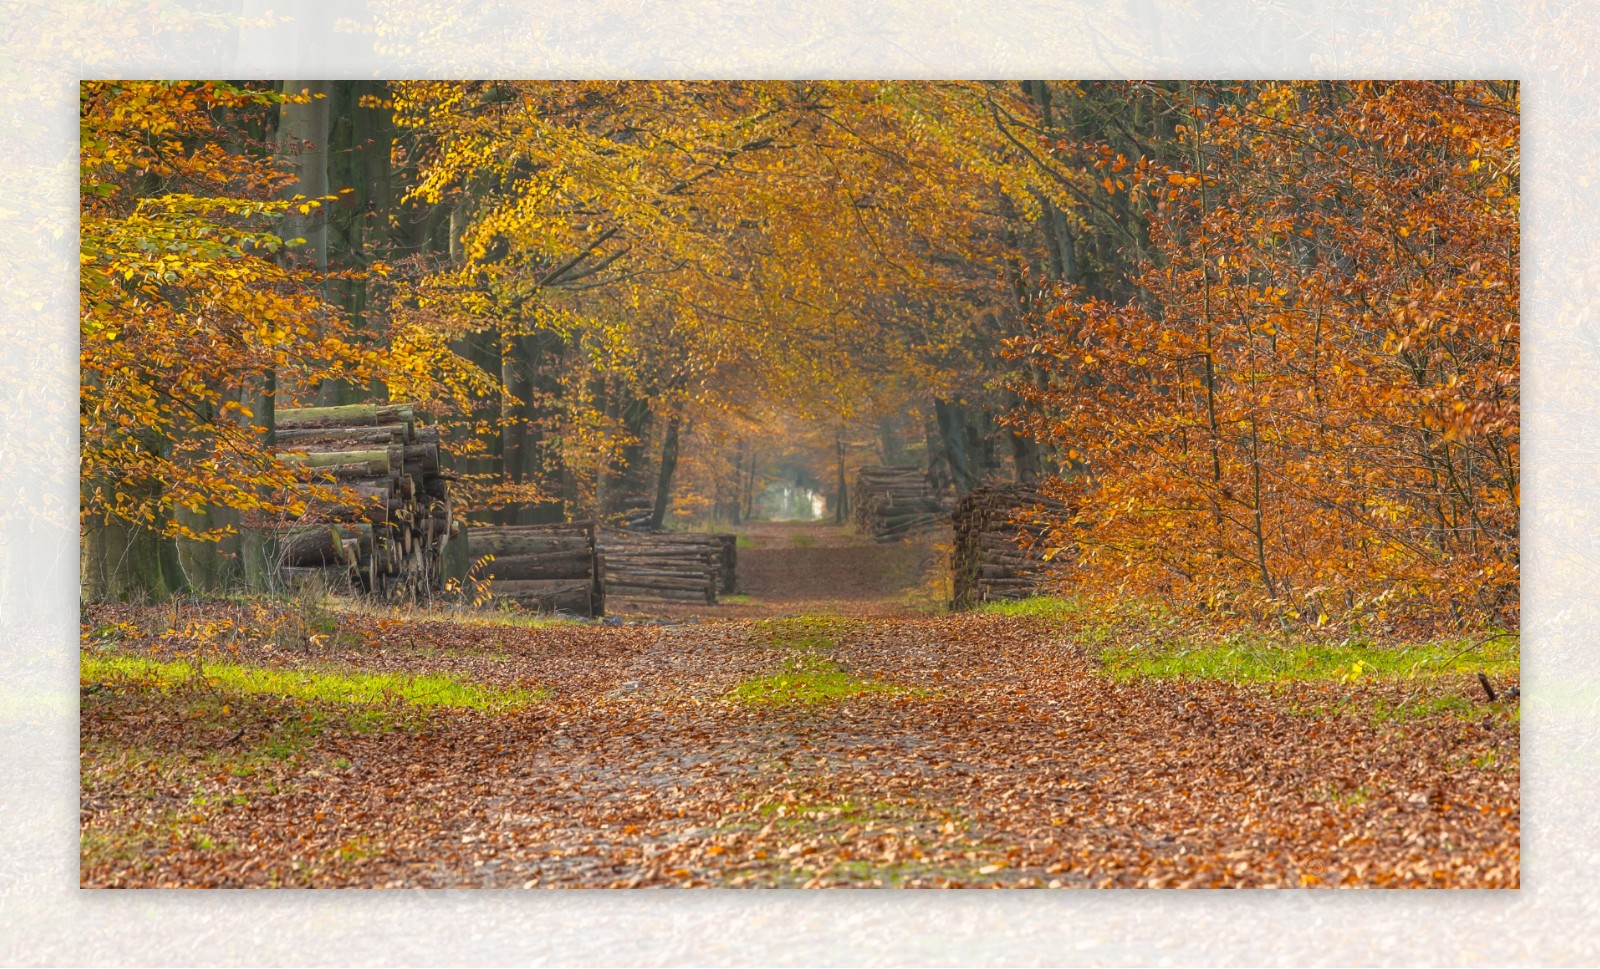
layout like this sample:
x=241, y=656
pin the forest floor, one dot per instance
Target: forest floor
x=827, y=727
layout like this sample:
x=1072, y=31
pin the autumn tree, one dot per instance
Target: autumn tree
x=206, y=296
x=700, y=245
x=1308, y=408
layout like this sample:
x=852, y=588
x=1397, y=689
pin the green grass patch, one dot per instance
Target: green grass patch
x=808, y=677
x=498, y=613
x=738, y=599
x=343, y=688
x=1035, y=607
x=803, y=633
x=743, y=541
x=1247, y=659
x=1387, y=711
x=812, y=683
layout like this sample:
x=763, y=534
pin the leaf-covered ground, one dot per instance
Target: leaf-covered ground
x=863, y=745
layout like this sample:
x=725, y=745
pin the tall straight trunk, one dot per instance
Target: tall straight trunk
x=542, y=448
x=669, y=465
x=750, y=487
x=302, y=146
x=958, y=450
x=891, y=442
x=486, y=463
x=630, y=478
x=303, y=133
x=208, y=567
x=126, y=562
x=517, y=362
x=122, y=562
x=360, y=138
x=839, y=506
x=938, y=470
x=1024, y=453
x=259, y=572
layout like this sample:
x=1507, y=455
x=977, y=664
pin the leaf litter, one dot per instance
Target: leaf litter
x=997, y=754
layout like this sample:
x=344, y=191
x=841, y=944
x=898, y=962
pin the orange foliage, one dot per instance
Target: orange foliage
x=183, y=304
x=1310, y=409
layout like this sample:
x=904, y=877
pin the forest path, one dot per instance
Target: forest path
x=807, y=568
x=816, y=750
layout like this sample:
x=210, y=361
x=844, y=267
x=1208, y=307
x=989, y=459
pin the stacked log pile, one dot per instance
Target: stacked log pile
x=999, y=548
x=892, y=502
x=637, y=511
x=390, y=541
x=680, y=566
x=551, y=568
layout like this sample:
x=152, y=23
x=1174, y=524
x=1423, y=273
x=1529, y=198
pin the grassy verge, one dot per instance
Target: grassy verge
x=809, y=681
x=1036, y=607
x=1131, y=645
x=805, y=634
x=323, y=686
x=491, y=616
x=1242, y=659
x=808, y=677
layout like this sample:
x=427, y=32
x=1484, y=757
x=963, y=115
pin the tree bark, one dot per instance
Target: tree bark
x=842, y=500
x=343, y=219
x=957, y=448
x=669, y=464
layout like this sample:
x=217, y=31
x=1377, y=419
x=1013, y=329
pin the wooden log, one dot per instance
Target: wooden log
x=339, y=438
x=557, y=528
x=309, y=545
x=618, y=576
x=510, y=587
x=376, y=462
x=347, y=415
x=631, y=592
x=578, y=557
x=521, y=572
x=426, y=456
x=575, y=600
x=621, y=560
x=492, y=541
x=729, y=563
x=622, y=573
x=361, y=532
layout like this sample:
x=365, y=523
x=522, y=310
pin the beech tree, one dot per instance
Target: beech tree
x=1309, y=408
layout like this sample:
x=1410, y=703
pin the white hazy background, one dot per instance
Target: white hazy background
x=48, y=47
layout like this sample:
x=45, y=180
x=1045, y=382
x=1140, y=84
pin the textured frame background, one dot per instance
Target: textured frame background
x=48, y=48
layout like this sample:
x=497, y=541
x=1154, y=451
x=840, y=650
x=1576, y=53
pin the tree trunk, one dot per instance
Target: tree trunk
x=669, y=464
x=127, y=563
x=749, y=498
x=124, y=562
x=255, y=552
x=957, y=448
x=303, y=147
x=517, y=363
x=360, y=138
x=842, y=499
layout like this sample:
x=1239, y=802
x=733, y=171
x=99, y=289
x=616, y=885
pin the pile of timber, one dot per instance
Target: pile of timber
x=390, y=540
x=551, y=568
x=636, y=512
x=999, y=544
x=892, y=502
x=692, y=567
